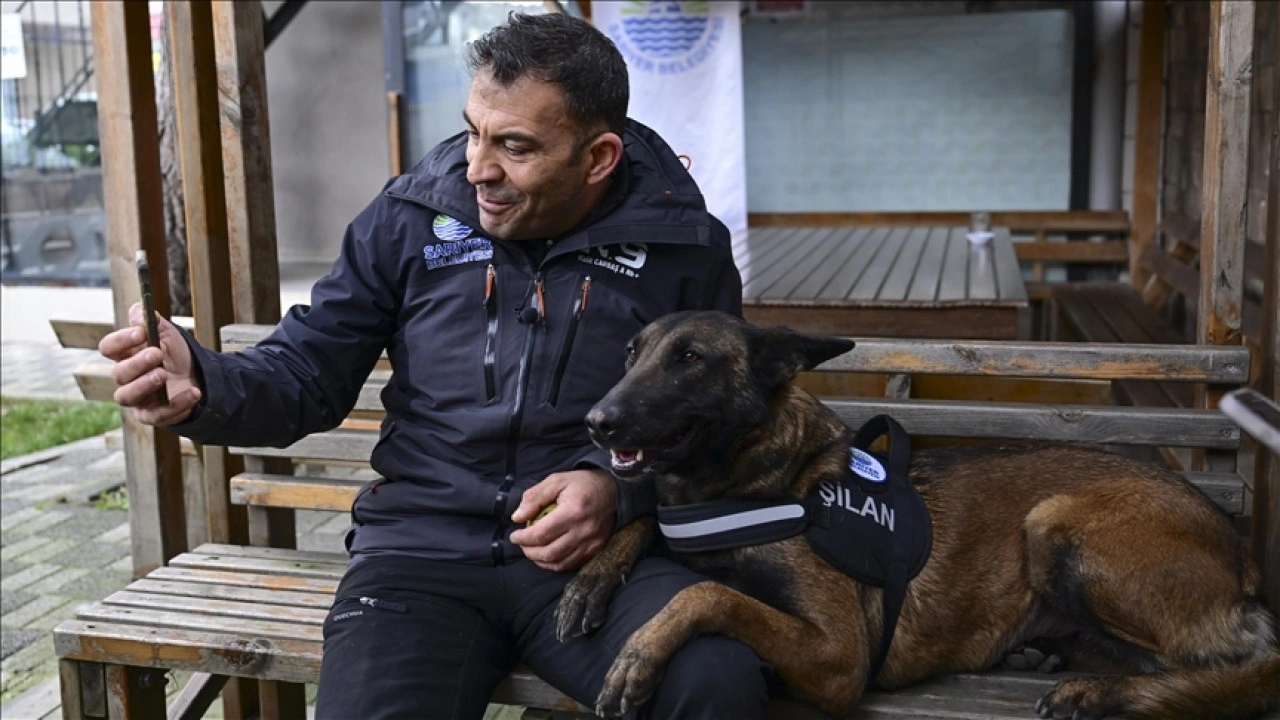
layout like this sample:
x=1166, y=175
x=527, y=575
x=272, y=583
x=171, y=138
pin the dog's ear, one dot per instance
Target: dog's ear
x=777, y=354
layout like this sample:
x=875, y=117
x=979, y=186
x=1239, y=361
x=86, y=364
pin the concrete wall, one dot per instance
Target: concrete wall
x=329, y=139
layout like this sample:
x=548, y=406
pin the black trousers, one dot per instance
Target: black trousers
x=410, y=638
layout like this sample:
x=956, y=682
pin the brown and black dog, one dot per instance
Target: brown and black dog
x=1028, y=542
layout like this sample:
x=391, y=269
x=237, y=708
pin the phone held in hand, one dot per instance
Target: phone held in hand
x=149, y=311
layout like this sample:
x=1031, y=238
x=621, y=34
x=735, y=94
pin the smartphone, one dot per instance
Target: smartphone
x=149, y=310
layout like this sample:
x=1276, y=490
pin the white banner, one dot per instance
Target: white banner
x=685, y=63
x=13, y=57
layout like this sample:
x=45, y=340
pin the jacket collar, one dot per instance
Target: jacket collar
x=650, y=190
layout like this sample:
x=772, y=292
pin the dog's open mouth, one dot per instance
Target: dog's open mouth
x=629, y=462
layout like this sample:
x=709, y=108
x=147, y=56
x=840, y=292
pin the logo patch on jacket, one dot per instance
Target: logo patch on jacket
x=455, y=247
x=447, y=228
x=623, y=259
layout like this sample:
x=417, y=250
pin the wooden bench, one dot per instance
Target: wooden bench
x=256, y=612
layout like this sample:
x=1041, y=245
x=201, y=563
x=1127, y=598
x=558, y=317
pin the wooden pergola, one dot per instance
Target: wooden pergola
x=224, y=142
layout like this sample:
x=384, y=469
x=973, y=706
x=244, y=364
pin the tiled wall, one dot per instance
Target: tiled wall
x=932, y=112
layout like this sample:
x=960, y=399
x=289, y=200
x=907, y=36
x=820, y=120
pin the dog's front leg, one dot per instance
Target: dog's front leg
x=825, y=665
x=585, y=601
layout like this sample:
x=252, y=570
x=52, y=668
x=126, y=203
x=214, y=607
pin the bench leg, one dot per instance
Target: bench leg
x=134, y=692
x=282, y=700
x=71, y=678
x=240, y=699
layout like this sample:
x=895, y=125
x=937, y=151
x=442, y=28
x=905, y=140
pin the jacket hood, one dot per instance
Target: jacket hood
x=650, y=187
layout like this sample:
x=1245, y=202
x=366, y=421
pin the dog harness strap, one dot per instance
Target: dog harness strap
x=725, y=524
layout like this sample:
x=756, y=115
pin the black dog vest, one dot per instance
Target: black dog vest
x=870, y=523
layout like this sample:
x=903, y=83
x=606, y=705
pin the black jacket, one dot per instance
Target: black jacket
x=489, y=390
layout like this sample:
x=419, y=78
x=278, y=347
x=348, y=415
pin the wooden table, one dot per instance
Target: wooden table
x=913, y=282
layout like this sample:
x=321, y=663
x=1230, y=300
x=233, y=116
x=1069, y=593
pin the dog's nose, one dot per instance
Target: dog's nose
x=602, y=422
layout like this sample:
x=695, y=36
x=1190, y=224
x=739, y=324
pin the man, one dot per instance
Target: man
x=503, y=276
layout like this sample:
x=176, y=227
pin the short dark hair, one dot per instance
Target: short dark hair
x=566, y=52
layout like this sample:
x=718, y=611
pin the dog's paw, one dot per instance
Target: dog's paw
x=584, y=604
x=629, y=684
x=1029, y=657
x=1082, y=698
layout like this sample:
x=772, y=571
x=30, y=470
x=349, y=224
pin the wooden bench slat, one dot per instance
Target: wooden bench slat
x=1095, y=360
x=163, y=619
x=259, y=610
x=319, y=557
x=236, y=653
x=269, y=595
x=283, y=583
x=308, y=493
x=1100, y=425
x=283, y=566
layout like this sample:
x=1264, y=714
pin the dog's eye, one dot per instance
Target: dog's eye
x=690, y=356
x=631, y=352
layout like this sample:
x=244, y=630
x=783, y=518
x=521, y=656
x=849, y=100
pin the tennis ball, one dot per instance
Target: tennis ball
x=541, y=514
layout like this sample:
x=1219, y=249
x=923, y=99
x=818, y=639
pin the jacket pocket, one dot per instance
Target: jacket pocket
x=571, y=333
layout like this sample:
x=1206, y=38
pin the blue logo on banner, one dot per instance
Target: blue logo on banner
x=666, y=38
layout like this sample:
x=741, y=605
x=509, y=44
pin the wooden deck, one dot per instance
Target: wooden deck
x=923, y=282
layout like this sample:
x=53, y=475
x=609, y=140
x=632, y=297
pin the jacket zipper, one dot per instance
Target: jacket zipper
x=517, y=416
x=579, y=307
x=491, y=332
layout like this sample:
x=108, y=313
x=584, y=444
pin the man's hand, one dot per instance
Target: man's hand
x=571, y=534
x=140, y=370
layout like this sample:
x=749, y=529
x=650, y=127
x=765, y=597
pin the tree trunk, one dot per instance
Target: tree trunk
x=175, y=222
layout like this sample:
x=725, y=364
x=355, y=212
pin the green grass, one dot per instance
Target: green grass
x=30, y=425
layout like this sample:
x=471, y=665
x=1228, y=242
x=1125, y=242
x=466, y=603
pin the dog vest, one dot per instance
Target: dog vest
x=870, y=523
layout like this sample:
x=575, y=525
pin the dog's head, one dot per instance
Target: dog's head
x=697, y=383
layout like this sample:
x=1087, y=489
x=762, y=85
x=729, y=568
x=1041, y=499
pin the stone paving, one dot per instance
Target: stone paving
x=60, y=546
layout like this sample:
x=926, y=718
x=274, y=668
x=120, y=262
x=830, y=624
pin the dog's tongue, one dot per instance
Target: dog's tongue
x=627, y=456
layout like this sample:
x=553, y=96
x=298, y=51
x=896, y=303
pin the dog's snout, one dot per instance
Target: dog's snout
x=602, y=422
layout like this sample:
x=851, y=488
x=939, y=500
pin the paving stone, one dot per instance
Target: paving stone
x=89, y=556
x=89, y=524
x=45, y=520
x=28, y=576
x=98, y=584
x=16, y=518
x=14, y=639
x=52, y=547
x=53, y=584
x=11, y=600
x=34, y=610
x=12, y=551
x=118, y=534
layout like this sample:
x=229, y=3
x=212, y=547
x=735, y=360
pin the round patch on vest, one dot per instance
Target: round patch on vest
x=447, y=228
x=866, y=466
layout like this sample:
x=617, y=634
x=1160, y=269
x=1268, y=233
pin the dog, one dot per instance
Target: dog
x=1028, y=541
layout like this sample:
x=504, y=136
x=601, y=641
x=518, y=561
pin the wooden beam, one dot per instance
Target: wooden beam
x=251, y=220
x=200, y=152
x=135, y=220
x=246, y=161
x=1114, y=222
x=1147, y=137
x=1224, y=203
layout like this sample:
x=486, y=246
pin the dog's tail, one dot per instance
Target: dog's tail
x=1231, y=686
x=1231, y=692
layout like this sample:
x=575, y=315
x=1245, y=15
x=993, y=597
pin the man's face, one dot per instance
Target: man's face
x=523, y=157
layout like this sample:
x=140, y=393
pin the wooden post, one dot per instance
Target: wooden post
x=200, y=150
x=1266, y=488
x=1147, y=134
x=135, y=220
x=251, y=233
x=1224, y=201
x=246, y=161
